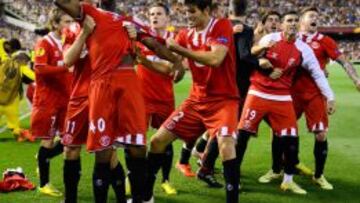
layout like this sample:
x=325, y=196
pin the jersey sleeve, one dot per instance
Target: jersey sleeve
x=331, y=48
x=181, y=38
x=88, y=9
x=221, y=34
x=311, y=64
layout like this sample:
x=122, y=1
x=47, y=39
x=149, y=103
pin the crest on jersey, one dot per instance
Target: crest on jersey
x=291, y=62
x=315, y=45
x=40, y=52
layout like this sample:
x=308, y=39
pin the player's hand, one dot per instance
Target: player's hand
x=178, y=71
x=276, y=74
x=326, y=72
x=171, y=43
x=131, y=29
x=265, y=63
x=238, y=28
x=269, y=44
x=88, y=25
x=331, y=107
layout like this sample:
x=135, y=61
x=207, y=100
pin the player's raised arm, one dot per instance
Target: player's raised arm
x=73, y=53
x=164, y=53
x=350, y=70
x=312, y=65
x=71, y=7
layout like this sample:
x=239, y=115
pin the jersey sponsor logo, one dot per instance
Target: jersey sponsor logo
x=315, y=45
x=40, y=52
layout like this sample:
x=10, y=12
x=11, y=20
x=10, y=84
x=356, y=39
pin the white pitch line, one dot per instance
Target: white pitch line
x=22, y=117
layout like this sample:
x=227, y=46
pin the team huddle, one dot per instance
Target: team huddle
x=103, y=79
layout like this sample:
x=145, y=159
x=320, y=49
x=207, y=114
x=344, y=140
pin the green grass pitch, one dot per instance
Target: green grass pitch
x=342, y=169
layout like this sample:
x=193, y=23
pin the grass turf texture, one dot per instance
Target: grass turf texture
x=342, y=168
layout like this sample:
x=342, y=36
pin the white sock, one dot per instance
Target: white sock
x=288, y=178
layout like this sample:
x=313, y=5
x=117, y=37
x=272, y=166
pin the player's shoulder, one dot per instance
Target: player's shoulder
x=325, y=39
x=303, y=46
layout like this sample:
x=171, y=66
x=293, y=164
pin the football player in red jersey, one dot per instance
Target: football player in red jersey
x=213, y=102
x=308, y=98
x=158, y=87
x=117, y=114
x=52, y=93
x=272, y=98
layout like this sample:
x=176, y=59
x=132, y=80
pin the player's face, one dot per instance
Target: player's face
x=310, y=21
x=158, y=18
x=65, y=21
x=290, y=24
x=272, y=24
x=194, y=15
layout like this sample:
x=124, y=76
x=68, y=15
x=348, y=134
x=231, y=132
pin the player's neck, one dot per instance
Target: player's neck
x=204, y=24
x=160, y=31
x=289, y=37
x=57, y=34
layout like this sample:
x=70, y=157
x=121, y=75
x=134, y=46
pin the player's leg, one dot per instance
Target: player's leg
x=317, y=121
x=220, y=119
x=71, y=173
x=102, y=175
x=183, y=165
x=74, y=136
x=158, y=144
x=117, y=178
x=200, y=147
x=44, y=125
x=282, y=120
x=206, y=171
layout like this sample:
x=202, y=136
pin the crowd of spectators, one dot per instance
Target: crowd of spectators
x=333, y=13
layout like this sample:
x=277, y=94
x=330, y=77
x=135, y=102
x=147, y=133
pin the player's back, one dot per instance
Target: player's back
x=52, y=89
x=109, y=43
x=211, y=83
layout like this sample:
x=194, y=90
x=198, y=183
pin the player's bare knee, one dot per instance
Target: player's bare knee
x=72, y=153
x=104, y=156
x=321, y=136
x=47, y=143
x=137, y=151
x=160, y=140
x=227, y=148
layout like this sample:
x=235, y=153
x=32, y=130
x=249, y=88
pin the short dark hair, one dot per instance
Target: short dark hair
x=307, y=9
x=289, y=13
x=269, y=13
x=200, y=4
x=162, y=5
x=238, y=7
x=14, y=44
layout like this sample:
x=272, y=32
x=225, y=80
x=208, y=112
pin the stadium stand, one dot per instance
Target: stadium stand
x=335, y=13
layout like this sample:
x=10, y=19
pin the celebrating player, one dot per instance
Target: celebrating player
x=51, y=96
x=272, y=98
x=213, y=101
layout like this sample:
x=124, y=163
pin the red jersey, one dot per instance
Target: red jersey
x=52, y=78
x=288, y=56
x=82, y=68
x=325, y=49
x=211, y=83
x=108, y=43
x=156, y=87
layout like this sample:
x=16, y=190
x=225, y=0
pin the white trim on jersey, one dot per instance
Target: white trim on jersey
x=265, y=40
x=267, y=96
x=310, y=63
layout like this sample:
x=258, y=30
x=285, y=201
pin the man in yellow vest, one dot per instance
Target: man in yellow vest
x=10, y=50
